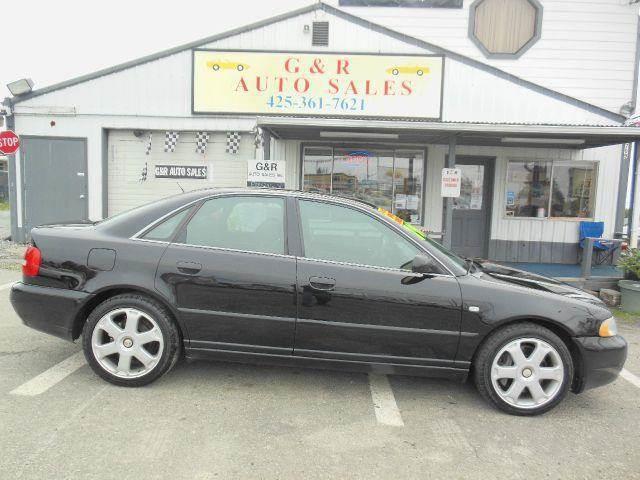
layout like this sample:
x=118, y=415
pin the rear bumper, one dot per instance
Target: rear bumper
x=602, y=360
x=50, y=310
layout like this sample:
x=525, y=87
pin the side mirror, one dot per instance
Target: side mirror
x=424, y=264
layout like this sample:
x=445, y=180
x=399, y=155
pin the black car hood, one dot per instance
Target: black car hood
x=537, y=282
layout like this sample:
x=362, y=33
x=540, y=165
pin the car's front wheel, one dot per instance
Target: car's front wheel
x=524, y=369
x=130, y=340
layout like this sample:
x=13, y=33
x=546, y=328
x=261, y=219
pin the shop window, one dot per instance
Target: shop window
x=391, y=179
x=544, y=189
x=505, y=28
x=573, y=190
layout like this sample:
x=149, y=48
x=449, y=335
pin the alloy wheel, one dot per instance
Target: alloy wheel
x=527, y=373
x=127, y=342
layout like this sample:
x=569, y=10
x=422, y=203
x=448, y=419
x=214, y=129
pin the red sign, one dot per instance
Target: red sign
x=9, y=142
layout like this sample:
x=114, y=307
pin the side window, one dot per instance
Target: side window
x=242, y=223
x=341, y=234
x=164, y=231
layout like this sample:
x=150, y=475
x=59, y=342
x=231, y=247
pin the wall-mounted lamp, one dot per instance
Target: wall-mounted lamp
x=306, y=28
x=20, y=87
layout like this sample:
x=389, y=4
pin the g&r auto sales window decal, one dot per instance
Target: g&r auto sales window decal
x=285, y=83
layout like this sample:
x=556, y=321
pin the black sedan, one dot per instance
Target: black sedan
x=294, y=278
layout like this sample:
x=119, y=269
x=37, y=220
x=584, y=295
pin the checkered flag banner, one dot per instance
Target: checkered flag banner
x=147, y=148
x=170, y=141
x=259, y=142
x=202, y=139
x=143, y=173
x=233, y=142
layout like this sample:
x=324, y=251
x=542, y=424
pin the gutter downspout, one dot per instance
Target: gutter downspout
x=635, y=200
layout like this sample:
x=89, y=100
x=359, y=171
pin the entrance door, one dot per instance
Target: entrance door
x=472, y=210
x=54, y=180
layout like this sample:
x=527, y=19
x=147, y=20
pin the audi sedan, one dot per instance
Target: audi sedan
x=302, y=279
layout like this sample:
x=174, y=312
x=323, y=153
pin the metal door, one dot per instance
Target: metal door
x=472, y=210
x=54, y=180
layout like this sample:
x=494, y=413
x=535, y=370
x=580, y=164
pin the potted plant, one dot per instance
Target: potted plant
x=629, y=262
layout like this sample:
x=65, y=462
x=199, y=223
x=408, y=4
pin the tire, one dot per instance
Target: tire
x=131, y=340
x=508, y=380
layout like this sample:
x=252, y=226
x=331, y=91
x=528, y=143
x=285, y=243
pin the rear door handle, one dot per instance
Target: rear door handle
x=190, y=268
x=322, y=283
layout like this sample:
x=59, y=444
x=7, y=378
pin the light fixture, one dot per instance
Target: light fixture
x=20, y=87
x=306, y=28
x=394, y=136
x=554, y=141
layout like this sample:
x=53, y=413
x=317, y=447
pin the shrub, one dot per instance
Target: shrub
x=630, y=263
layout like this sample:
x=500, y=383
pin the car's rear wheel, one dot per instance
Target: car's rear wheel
x=524, y=369
x=131, y=340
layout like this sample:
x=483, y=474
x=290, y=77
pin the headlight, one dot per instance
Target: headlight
x=608, y=328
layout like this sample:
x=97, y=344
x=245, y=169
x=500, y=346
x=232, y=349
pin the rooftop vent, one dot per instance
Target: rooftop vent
x=320, y=35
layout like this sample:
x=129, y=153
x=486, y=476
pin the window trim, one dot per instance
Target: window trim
x=537, y=32
x=548, y=217
x=384, y=222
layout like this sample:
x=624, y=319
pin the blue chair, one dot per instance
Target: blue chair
x=603, y=248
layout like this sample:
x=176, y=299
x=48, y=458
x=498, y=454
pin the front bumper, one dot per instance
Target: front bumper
x=602, y=358
x=50, y=310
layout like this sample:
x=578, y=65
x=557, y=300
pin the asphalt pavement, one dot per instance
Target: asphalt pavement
x=227, y=421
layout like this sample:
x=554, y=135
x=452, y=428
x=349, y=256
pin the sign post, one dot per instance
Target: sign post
x=9, y=142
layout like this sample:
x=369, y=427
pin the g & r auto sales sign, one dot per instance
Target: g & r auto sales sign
x=310, y=84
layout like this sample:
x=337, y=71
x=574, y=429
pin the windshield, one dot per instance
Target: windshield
x=461, y=263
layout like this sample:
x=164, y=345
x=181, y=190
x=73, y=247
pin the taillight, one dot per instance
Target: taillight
x=32, y=261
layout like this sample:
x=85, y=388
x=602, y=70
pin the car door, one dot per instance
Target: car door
x=358, y=299
x=229, y=274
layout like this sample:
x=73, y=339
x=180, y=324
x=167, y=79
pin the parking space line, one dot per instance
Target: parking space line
x=630, y=377
x=49, y=378
x=384, y=402
x=7, y=285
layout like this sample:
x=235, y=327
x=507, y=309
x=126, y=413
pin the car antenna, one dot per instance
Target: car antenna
x=180, y=187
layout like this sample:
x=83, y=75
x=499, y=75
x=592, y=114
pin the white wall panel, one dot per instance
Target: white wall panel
x=127, y=159
x=592, y=36
x=471, y=94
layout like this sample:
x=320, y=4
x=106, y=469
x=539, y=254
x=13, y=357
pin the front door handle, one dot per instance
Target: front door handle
x=190, y=268
x=322, y=283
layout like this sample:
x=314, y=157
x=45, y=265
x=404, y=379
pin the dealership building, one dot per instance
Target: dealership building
x=363, y=100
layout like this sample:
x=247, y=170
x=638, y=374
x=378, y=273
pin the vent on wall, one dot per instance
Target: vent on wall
x=320, y=35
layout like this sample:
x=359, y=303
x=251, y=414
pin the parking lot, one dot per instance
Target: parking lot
x=215, y=420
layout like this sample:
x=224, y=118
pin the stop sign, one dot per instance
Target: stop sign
x=9, y=142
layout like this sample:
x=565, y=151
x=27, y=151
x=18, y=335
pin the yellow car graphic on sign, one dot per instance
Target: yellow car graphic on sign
x=216, y=65
x=418, y=70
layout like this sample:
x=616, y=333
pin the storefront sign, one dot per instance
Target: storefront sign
x=181, y=171
x=450, y=182
x=265, y=173
x=317, y=84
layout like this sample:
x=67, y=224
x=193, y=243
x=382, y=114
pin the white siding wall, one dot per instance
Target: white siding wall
x=587, y=48
x=503, y=228
x=127, y=159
